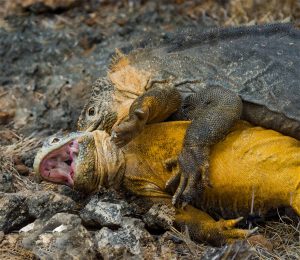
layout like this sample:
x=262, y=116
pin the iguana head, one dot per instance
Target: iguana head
x=99, y=113
x=82, y=160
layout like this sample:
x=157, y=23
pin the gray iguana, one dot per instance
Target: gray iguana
x=212, y=78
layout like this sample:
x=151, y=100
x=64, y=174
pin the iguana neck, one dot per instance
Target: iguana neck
x=109, y=161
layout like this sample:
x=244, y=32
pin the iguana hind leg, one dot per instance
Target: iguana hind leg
x=202, y=227
x=213, y=112
x=153, y=106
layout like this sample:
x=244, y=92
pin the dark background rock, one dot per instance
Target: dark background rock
x=49, y=60
x=19, y=209
x=13, y=211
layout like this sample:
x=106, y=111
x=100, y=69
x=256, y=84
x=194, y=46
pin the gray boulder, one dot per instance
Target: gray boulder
x=129, y=240
x=101, y=212
x=60, y=237
x=17, y=209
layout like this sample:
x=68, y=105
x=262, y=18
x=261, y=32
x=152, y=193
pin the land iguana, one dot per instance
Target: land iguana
x=252, y=169
x=212, y=78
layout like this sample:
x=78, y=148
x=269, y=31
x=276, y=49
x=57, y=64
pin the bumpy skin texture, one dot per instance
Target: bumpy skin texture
x=252, y=169
x=259, y=64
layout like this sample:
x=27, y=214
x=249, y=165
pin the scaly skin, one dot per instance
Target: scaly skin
x=250, y=164
x=201, y=77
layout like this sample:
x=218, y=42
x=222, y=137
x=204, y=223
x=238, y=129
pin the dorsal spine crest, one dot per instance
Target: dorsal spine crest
x=118, y=60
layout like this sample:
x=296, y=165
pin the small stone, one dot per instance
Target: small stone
x=6, y=181
x=159, y=216
x=4, y=117
x=101, y=213
x=130, y=239
x=27, y=228
x=261, y=241
x=22, y=169
x=16, y=159
x=60, y=228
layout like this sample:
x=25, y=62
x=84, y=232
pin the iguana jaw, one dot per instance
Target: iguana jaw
x=83, y=160
x=68, y=160
x=59, y=165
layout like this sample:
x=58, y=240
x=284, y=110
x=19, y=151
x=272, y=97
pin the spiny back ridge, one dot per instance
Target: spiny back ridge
x=188, y=39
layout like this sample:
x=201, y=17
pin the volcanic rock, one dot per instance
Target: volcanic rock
x=101, y=212
x=18, y=209
x=130, y=239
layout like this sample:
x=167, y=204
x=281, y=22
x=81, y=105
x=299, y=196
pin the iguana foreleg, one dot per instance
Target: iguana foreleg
x=153, y=106
x=213, y=112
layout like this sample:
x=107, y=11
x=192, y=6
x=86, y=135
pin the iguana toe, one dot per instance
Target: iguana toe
x=237, y=233
x=173, y=183
x=171, y=163
x=182, y=184
x=127, y=130
x=118, y=140
x=122, y=134
x=231, y=222
x=186, y=191
x=224, y=230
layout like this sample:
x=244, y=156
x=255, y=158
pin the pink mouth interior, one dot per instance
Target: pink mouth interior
x=59, y=165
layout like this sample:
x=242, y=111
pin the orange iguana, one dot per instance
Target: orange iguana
x=212, y=78
x=252, y=168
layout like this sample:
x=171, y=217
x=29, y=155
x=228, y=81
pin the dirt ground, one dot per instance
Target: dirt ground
x=51, y=51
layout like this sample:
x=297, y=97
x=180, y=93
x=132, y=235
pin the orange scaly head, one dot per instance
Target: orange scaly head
x=113, y=95
x=99, y=112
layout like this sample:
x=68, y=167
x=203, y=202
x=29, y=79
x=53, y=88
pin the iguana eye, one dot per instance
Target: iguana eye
x=91, y=111
x=55, y=140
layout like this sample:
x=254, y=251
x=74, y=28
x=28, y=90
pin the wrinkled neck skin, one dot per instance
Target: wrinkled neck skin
x=109, y=161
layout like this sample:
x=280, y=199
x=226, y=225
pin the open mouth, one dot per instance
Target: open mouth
x=59, y=165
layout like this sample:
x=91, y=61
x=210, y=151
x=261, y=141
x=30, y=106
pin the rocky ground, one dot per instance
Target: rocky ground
x=50, y=52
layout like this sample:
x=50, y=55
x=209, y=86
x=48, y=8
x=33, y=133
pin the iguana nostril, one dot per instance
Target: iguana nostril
x=69, y=162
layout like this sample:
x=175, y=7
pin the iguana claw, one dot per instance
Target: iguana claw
x=128, y=128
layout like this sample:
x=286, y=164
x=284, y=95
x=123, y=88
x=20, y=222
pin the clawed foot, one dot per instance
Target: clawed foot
x=224, y=230
x=227, y=228
x=129, y=128
x=190, y=179
x=184, y=194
